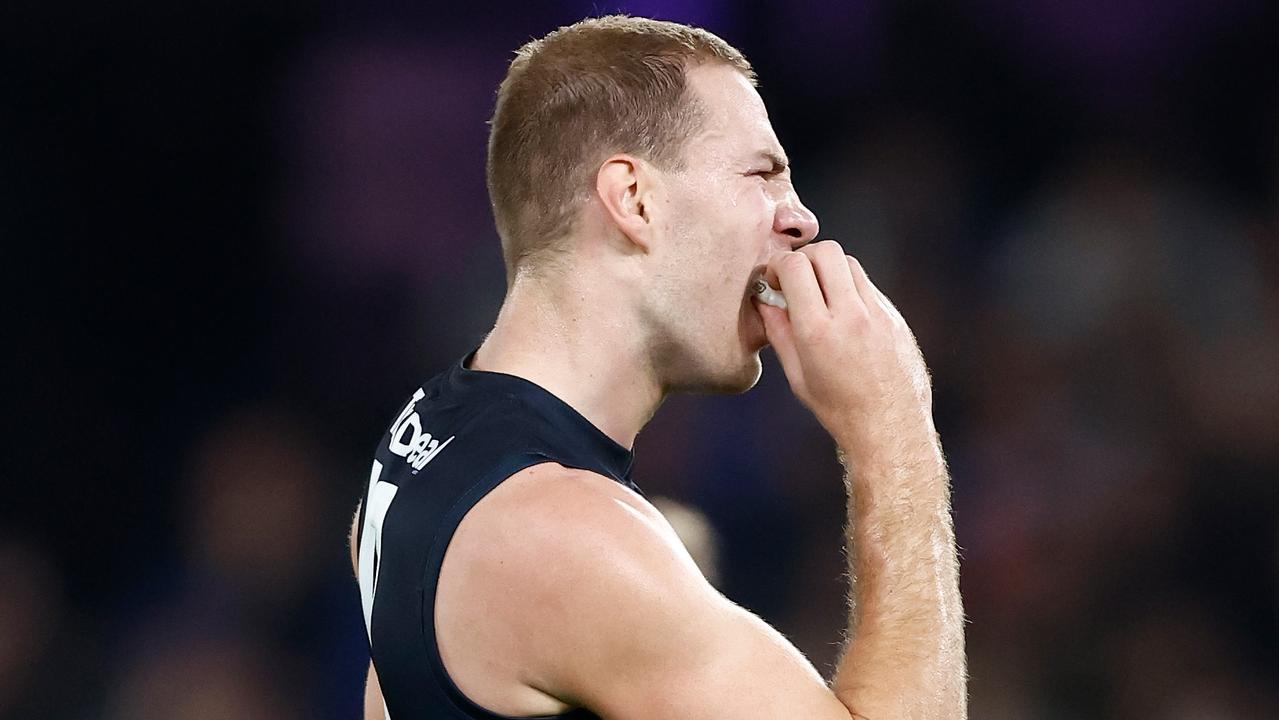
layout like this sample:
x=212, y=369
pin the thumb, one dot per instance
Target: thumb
x=777, y=328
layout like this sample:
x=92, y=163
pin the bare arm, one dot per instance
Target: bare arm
x=597, y=604
x=851, y=358
x=905, y=652
x=373, y=707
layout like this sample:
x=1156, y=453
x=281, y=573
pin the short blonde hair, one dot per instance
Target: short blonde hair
x=569, y=100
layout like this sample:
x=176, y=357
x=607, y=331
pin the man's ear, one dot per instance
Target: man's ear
x=623, y=185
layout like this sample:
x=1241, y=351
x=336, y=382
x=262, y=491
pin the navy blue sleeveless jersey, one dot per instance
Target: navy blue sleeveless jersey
x=461, y=434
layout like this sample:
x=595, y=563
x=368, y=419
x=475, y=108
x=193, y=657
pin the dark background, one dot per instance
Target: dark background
x=237, y=235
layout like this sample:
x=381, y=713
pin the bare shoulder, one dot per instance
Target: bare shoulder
x=549, y=530
x=586, y=521
x=566, y=510
x=564, y=588
x=528, y=564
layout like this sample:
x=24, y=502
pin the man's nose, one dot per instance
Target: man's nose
x=795, y=221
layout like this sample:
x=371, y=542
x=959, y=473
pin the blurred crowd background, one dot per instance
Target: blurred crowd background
x=237, y=235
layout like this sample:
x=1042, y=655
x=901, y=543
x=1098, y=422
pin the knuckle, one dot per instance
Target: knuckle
x=825, y=251
x=814, y=332
x=794, y=261
x=828, y=247
x=855, y=265
x=859, y=319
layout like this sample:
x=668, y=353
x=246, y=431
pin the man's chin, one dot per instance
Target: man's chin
x=731, y=377
x=744, y=378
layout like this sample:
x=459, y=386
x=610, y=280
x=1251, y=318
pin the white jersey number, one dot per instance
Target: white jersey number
x=375, y=506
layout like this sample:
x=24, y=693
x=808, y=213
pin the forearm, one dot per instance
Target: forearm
x=905, y=652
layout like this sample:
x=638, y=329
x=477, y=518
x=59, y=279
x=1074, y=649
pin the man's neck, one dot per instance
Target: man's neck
x=584, y=352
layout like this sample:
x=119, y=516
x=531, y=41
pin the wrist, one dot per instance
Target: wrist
x=906, y=472
x=888, y=442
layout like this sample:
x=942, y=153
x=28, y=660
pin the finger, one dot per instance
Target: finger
x=887, y=304
x=869, y=294
x=833, y=275
x=866, y=287
x=777, y=327
x=798, y=283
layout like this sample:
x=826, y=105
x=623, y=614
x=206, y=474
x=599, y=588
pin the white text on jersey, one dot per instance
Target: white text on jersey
x=420, y=448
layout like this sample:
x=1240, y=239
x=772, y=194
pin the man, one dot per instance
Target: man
x=508, y=566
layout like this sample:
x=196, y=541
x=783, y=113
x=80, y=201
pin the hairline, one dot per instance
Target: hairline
x=550, y=259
